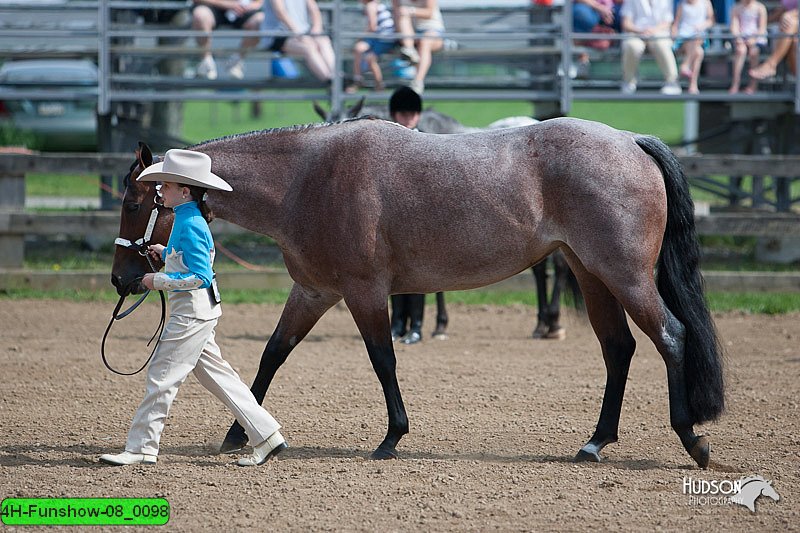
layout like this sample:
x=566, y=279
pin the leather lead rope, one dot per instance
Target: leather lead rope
x=116, y=315
x=139, y=246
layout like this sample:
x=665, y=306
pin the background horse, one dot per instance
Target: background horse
x=548, y=325
x=365, y=208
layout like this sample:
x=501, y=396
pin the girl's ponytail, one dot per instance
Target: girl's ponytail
x=199, y=194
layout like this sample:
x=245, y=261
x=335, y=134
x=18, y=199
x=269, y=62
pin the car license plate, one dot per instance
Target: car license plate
x=51, y=109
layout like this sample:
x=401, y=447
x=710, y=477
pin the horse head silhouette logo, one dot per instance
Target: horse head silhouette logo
x=751, y=488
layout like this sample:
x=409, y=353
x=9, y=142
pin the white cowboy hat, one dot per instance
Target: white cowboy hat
x=187, y=168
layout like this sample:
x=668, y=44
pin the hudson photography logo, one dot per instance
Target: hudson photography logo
x=743, y=491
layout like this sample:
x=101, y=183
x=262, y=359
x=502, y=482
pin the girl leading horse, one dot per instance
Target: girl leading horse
x=466, y=211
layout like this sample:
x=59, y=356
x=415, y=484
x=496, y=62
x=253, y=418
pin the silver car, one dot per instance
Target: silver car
x=65, y=118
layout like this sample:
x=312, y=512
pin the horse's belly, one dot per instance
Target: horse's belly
x=451, y=269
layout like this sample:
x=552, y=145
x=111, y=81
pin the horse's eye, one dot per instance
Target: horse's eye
x=132, y=207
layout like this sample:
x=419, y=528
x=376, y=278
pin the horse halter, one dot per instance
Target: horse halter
x=140, y=246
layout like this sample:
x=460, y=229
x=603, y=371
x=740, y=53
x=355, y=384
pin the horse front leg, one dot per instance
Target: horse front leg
x=302, y=310
x=371, y=316
x=441, y=318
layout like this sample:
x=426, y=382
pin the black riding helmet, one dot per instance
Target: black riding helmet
x=405, y=99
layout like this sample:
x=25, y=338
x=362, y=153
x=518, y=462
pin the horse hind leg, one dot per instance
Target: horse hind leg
x=302, y=310
x=441, y=318
x=647, y=309
x=618, y=345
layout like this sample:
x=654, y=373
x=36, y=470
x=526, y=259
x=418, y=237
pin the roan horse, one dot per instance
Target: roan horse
x=548, y=324
x=468, y=211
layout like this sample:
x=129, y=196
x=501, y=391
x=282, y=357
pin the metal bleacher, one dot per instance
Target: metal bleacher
x=508, y=49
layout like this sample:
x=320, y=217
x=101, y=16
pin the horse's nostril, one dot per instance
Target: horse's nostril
x=115, y=280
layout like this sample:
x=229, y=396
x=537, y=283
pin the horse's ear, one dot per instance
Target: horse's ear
x=145, y=155
x=321, y=112
x=356, y=109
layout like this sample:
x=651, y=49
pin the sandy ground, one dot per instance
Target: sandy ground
x=496, y=419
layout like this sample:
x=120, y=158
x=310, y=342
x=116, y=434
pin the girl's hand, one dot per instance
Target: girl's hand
x=155, y=251
x=147, y=280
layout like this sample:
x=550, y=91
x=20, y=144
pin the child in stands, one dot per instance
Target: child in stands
x=689, y=29
x=749, y=29
x=381, y=22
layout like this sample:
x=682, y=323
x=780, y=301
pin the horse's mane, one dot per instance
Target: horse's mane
x=281, y=131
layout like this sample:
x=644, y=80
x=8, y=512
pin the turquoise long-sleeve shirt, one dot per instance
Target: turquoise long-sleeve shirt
x=189, y=254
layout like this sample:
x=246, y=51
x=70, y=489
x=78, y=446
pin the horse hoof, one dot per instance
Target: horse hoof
x=440, y=336
x=235, y=440
x=556, y=334
x=540, y=332
x=382, y=453
x=230, y=446
x=587, y=456
x=701, y=452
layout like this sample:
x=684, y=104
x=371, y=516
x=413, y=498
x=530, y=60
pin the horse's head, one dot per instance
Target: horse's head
x=138, y=205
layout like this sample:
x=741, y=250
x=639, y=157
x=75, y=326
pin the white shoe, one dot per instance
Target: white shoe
x=629, y=87
x=417, y=86
x=128, y=458
x=672, y=89
x=271, y=447
x=207, y=68
x=410, y=53
x=236, y=67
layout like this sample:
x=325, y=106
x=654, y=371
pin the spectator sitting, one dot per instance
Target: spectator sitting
x=600, y=16
x=419, y=17
x=692, y=20
x=784, y=47
x=241, y=14
x=301, y=18
x=749, y=30
x=380, y=22
x=649, y=20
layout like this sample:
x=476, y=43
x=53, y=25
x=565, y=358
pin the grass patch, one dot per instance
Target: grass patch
x=61, y=185
x=209, y=120
x=755, y=303
x=662, y=119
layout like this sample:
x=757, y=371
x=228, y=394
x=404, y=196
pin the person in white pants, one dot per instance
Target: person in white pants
x=187, y=343
x=648, y=22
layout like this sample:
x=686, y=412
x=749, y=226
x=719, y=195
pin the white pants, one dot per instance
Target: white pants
x=632, y=50
x=187, y=345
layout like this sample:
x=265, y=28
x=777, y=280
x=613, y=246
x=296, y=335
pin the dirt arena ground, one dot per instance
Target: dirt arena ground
x=496, y=419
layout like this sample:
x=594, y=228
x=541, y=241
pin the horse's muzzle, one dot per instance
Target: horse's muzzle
x=124, y=289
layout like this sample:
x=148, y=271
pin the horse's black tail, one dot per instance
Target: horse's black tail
x=681, y=287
